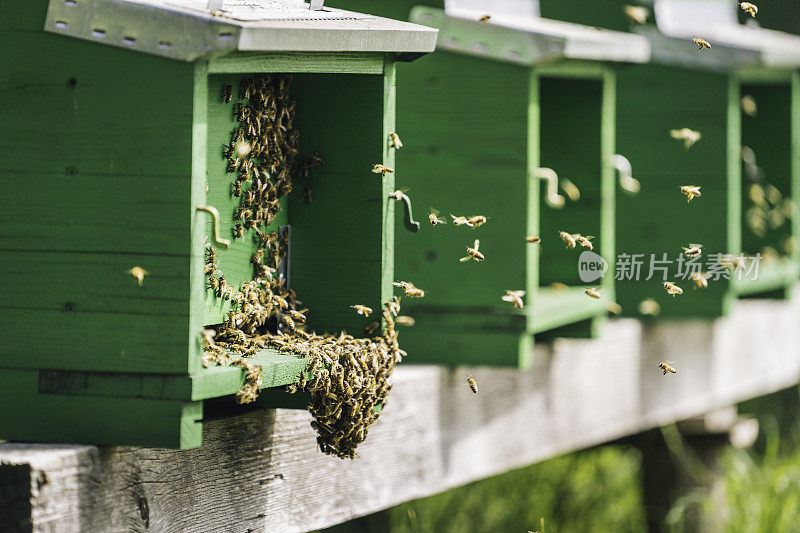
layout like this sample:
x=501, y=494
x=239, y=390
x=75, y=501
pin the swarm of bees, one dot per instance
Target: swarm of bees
x=701, y=43
x=346, y=377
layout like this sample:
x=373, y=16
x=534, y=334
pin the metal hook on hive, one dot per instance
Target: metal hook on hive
x=626, y=179
x=548, y=174
x=408, y=217
x=218, y=240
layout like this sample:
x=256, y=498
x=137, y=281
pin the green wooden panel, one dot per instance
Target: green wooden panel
x=651, y=101
x=338, y=241
x=94, y=420
x=27, y=16
x=607, y=14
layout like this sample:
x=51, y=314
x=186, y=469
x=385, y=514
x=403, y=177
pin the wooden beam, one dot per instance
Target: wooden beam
x=261, y=471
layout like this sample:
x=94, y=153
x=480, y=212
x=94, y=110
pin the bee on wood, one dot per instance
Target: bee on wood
x=138, y=273
x=237, y=187
x=672, y=289
x=404, y=320
x=594, y=293
x=694, y=250
x=749, y=8
x=688, y=136
x=393, y=306
x=362, y=309
x=394, y=141
x=514, y=297
x=637, y=14
x=701, y=43
x=433, y=218
x=568, y=238
x=472, y=384
x=665, y=367
x=485, y=18
x=460, y=221
x=382, y=169
x=690, y=191
x=700, y=280
x=398, y=194
x=227, y=93
x=238, y=231
x=476, y=221
x=533, y=239
x=584, y=241
x=649, y=307
x=473, y=253
x=208, y=337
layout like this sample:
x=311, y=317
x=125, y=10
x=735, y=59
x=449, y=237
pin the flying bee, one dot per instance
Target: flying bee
x=477, y=220
x=688, y=136
x=472, y=384
x=533, y=239
x=372, y=327
x=594, y=293
x=672, y=289
x=434, y=219
x=568, y=238
x=138, y=273
x=649, y=307
x=485, y=18
x=665, y=367
x=238, y=231
x=694, y=250
x=514, y=297
x=750, y=8
x=700, y=280
x=381, y=169
x=394, y=141
x=637, y=14
x=614, y=308
x=227, y=93
x=584, y=241
x=460, y=221
x=405, y=320
x=473, y=253
x=410, y=290
x=749, y=106
x=701, y=43
x=362, y=309
x=690, y=191
x=398, y=194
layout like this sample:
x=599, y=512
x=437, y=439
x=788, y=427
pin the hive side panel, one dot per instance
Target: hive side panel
x=94, y=181
x=651, y=102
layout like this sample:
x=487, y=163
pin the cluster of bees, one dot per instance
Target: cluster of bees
x=346, y=378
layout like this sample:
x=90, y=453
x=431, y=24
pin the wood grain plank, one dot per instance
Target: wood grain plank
x=261, y=470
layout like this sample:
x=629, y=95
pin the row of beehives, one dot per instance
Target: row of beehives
x=541, y=173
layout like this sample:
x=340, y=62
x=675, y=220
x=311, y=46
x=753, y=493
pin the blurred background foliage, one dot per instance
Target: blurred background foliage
x=601, y=489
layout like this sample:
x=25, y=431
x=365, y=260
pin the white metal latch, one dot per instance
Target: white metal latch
x=626, y=179
x=553, y=199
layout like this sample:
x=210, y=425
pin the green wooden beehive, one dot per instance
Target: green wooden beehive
x=702, y=90
x=114, y=122
x=501, y=108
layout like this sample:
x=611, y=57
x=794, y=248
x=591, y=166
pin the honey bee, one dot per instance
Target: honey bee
x=227, y=93
x=700, y=280
x=688, y=136
x=460, y=221
x=477, y=220
x=404, y=320
x=637, y=14
x=750, y=8
x=593, y=293
x=514, y=297
x=533, y=239
x=690, y=191
x=138, y=273
x=434, y=219
x=749, y=105
x=394, y=141
x=694, y=250
x=472, y=384
x=398, y=194
x=382, y=170
x=393, y=306
x=238, y=231
x=372, y=327
x=665, y=367
x=649, y=307
x=237, y=188
x=568, y=238
x=672, y=289
x=473, y=253
x=584, y=241
x=485, y=18
x=362, y=309
x=701, y=43
x=410, y=290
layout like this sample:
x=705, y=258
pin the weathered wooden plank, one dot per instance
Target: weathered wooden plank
x=261, y=470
